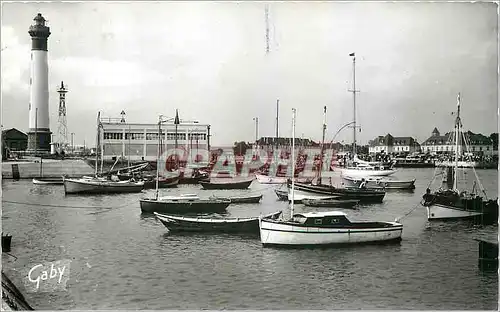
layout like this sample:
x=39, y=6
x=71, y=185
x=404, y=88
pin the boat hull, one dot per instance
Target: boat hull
x=206, y=225
x=166, y=183
x=441, y=212
x=53, y=181
x=367, y=173
x=275, y=233
x=240, y=185
x=183, y=206
x=448, y=205
x=340, y=203
x=246, y=200
x=299, y=196
x=82, y=186
x=380, y=183
x=460, y=164
x=364, y=195
x=264, y=179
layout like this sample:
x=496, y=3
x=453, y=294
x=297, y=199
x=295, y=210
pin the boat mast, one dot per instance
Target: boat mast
x=277, y=120
x=101, y=139
x=128, y=148
x=322, y=145
x=97, y=144
x=458, y=124
x=158, y=157
x=354, y=101
x=293, y=161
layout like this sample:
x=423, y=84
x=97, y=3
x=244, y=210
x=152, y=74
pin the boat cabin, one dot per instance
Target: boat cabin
x=319, y=219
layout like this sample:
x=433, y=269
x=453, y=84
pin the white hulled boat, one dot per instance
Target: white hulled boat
x=323, y=228
x=96, y=184
x=452, y=203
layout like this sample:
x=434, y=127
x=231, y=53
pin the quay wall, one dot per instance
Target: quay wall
x=50, y=169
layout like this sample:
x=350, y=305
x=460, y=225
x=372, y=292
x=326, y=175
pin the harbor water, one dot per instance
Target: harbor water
x=123, y=259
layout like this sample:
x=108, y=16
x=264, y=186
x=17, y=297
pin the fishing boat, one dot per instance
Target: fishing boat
x=97, y=184
x=253, y=199
x=163, y=182
x=453, y=203
x=340, y=203
x=299, y=197
x=323, y=228
x=184, y=204
x=362, y=170
x=326, y=228
x=266, y=179
x=379, y=182
x=365, y=195
x=217, y=225
x=44, y=181
x=227, y=184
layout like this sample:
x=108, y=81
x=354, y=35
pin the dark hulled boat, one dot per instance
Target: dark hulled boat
x=362, y=194
x=226, y=184
x=255, y=199
x=451, y=203
x=184, y=204
x=339, y=203
x=213, y=225
x=162, y=182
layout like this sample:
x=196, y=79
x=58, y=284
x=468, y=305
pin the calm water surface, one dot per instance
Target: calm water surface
x=125, y=260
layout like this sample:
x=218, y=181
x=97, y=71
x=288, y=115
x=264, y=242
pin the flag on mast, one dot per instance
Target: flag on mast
x=352, y=54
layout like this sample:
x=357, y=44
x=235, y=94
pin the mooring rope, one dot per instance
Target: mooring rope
x=420, y=202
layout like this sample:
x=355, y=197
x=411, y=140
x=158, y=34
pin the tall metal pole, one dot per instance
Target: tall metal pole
x=158, y=157
x=277, y=121
x=293, y=161
x=457, y=138
x=322, y=145
x=354, y=102
x=256, y=129
x=72, y=143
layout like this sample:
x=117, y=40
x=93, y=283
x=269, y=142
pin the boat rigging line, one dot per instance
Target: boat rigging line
x=63, y=206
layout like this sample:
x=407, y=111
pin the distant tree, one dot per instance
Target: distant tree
x=494, y=138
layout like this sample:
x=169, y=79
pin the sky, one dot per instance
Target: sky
x=209, y=60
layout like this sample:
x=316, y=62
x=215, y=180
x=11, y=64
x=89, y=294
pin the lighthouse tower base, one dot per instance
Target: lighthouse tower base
x=39, y=141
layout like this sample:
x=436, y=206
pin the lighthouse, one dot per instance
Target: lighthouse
x=39, y=135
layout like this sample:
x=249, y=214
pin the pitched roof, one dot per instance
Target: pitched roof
x=14, y=131
x=472, y=138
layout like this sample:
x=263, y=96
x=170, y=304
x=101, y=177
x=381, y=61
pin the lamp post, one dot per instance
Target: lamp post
x=256, y=119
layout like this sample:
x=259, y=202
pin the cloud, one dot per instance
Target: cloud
x=15, y=61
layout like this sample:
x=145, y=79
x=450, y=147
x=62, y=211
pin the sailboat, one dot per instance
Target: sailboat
x=184, y=203
x=323, y=228
x=452, y=203
x=325, y=191
x=360, y=168
x=97, y=184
